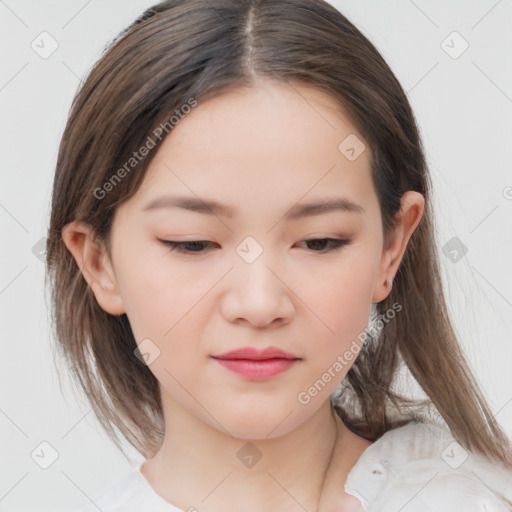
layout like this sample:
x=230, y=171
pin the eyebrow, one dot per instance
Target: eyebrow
x=212, y=207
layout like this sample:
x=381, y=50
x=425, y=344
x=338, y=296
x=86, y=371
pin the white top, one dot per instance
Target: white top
x=415, y=468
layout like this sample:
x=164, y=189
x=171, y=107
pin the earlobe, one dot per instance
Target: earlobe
x=94, y=262
x=410, y=215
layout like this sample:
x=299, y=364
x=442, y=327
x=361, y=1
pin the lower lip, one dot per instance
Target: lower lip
x=257, y=370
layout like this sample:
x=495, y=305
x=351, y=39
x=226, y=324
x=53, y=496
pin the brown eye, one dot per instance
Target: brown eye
x=191, y=246
x=325, y=244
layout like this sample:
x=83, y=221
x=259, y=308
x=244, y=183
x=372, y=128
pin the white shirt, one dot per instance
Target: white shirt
x=415, y=468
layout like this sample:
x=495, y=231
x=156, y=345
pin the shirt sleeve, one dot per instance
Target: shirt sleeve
x=436, y=489
x=421, y=468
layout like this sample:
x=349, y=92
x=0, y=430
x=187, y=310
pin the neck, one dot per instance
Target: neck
x=204, y=467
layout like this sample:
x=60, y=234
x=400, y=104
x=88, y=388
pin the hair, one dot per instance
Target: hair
x=183, y=50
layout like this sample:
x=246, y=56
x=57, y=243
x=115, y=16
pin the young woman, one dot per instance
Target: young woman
x=242, y=259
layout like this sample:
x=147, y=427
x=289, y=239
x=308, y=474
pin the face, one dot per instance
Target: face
x=254, y=267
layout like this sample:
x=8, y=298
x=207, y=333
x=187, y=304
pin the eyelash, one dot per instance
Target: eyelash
x=336, y=244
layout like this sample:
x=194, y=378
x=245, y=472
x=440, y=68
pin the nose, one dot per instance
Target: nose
x=258, y=293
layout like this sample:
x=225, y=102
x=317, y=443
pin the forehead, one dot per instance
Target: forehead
x=271, y=143
x=271, y=114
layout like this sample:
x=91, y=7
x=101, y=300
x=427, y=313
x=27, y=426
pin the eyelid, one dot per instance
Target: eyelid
x=336, y=244
x=176, y=245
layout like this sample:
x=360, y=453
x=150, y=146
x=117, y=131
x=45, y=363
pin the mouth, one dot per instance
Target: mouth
x=256, y=364
x=257, y=369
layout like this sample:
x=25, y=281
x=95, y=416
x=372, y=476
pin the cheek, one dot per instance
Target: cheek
x=340, y=304
x=169, y=304
x=155, y=296
x=341, y=296
x=165, y=311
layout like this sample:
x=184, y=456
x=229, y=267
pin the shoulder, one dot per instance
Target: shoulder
x=420, y=467
x=130, y=493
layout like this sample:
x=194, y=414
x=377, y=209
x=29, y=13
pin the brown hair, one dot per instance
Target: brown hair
x=190, y=49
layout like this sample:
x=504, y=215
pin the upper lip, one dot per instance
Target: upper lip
x=255, y=354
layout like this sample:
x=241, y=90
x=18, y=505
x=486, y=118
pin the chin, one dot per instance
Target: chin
x=259, y=425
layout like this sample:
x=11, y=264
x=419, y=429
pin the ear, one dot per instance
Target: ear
x=409, y=216
x=94, y=262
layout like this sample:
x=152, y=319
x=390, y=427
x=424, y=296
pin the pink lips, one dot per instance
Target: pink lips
x=257, y=364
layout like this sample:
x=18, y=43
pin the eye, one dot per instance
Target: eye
x=187, y=247
x=319, y=245
x=322, y=245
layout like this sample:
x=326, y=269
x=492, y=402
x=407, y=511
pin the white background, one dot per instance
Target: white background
x=463, y=106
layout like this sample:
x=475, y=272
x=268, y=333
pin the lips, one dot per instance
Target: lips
x=254, y=364
x=254, y=354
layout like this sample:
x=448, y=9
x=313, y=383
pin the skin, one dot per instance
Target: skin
x=281, y=151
